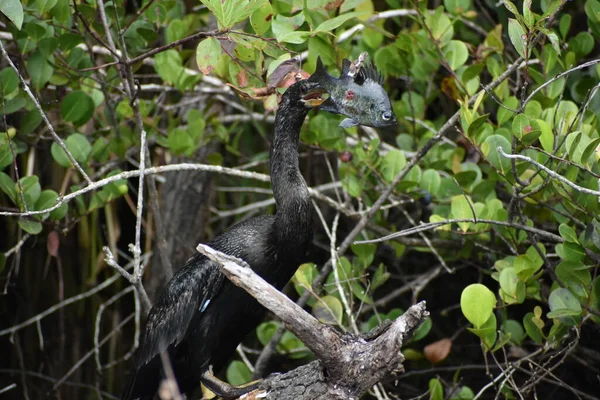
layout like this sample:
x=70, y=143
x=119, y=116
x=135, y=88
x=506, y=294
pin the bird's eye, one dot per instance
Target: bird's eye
x=386, y=116
x=303, y=90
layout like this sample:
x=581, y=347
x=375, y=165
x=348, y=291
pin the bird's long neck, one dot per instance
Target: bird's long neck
x=293, y=217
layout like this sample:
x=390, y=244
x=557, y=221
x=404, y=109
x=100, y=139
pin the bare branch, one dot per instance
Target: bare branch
x=56, y=138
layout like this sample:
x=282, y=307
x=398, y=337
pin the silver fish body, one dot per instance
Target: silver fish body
x=361, y=98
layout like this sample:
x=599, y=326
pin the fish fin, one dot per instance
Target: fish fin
x=348, y=123
x=345, y=68
x=320, y=73
x=368, y=72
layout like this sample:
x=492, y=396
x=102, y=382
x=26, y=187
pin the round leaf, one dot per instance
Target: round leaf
x=77, y=107
x=328, y=309
x=477, y=304
x=456, y=53
x=207, y=54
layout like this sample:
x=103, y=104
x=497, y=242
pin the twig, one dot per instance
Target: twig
x=136, y=250
x=17, y=246
x=549, y=172
x=160, y=49
x=56, y=138
x=135, y=173
x=132, y=278
x=554, y=79
x=60, y=305
x=101, y=309
x=433, y=225
x=7, y=388
x=51, y=379
x=334, y=256
x=91, y=352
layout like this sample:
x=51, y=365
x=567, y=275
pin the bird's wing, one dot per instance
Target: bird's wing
x=190, y=290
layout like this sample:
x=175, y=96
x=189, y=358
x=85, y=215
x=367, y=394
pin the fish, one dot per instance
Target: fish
x=356, y=94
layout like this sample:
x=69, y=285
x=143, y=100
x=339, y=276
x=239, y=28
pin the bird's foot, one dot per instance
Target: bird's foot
x=224, y=389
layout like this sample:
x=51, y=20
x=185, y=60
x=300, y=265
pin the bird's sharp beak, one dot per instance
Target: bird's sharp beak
x=315, y=97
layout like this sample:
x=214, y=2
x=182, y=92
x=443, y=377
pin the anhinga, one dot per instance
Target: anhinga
x=201, y=317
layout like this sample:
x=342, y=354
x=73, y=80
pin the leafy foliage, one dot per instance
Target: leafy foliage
x=492, y=173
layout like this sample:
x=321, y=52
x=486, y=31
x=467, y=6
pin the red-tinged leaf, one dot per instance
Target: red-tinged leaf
x=242, y=78
x=207, y=55
x=438, y=351
x=53, y=243
x=282, y=71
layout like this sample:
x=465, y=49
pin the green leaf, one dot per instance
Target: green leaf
x=520, y=124
x=9, y=82
x=77, y=107
x=6, y=155
x=379, y=277
x=564, y=306
x=328, y=309
x=592, y=9
x=39, y=70
x=547, y=136
x=440, y=26
x=207, y=54
x=461, y=210
x=365, y=252
x=553, y=37
x=568, y=233
x=422, y=330
x=31, y=191
x=265, y=331
x=430, y=181
x=392, y=164
x=360, y=293
x=527, y=14
x=304, y=276
x=436, y=389
x=261, y=18
x=515, y=330
x=333, y=23
x=13, y=10
x=589, y=150
x=238, y=373
x=457, y=7
x=524, y=267
x=513, y=289
x=78, y=146
x=532, y=329
x=29, y=226
x=298, y=37
x=490, y=151
x=518, y=37
x=8, y=186
x=511, y=7
x=477, y=304
x=47, y=199
x=456, y=53
x=576, y=276
x=487, y=332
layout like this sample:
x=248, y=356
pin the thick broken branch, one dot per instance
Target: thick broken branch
x=348, y=365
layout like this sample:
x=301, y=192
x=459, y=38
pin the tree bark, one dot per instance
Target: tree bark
x=184, y=201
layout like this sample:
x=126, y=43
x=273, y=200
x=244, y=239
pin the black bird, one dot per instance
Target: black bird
x=201, y=317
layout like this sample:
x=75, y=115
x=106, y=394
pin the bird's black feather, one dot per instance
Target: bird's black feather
x=201, y=317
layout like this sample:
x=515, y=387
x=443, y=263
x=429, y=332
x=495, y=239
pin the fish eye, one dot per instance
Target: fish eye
x=386, y=116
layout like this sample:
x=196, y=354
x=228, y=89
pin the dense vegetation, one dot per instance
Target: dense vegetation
x=483, y=201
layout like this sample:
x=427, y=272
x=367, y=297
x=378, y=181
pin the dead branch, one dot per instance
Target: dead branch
x=348, y=365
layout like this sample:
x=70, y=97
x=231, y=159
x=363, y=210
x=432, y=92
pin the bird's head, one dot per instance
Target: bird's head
x=312, y=94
